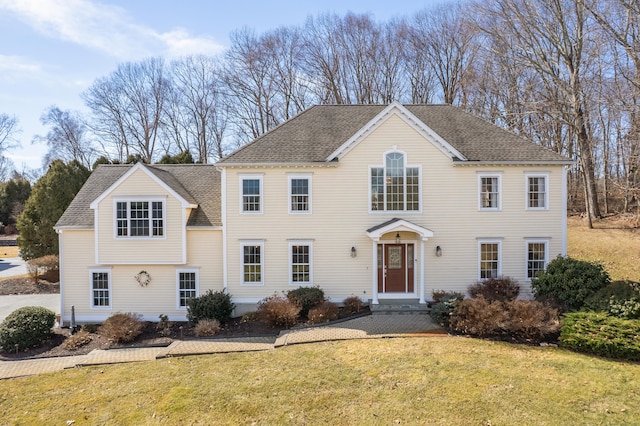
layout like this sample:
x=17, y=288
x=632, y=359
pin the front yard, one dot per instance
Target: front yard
x=447, y=381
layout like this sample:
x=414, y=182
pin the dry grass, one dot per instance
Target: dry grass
x=9, y=251
x=436, y=381
x=614, y=242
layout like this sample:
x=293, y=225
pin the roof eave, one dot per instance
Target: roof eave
x=279, y=164
x=513, y=163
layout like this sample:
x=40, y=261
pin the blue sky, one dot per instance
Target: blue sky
x=52, y=50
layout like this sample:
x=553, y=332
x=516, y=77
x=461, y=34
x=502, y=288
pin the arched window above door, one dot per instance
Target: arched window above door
x=395, y=186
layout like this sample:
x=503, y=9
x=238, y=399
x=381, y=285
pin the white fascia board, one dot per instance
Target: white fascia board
x=401, y=225
x=132, y=170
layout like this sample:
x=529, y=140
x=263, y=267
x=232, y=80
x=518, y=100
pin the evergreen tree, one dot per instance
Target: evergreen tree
x=50, y=196
x=13, y=195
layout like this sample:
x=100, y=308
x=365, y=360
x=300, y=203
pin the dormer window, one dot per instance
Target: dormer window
x=140, y=218
x=396, y=186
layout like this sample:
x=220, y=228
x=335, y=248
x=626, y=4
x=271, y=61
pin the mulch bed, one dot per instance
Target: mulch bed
x=26, y=285
x=151, y=335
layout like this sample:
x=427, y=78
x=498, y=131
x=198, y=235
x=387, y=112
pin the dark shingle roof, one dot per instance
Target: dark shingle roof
x=196, y=183
x=317, y=132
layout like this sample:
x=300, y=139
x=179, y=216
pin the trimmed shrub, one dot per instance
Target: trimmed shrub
x=352, y=305
x=306, y=298
x=569, y=282
x=496, y=289
x=616, y=291
x=76, y=341
x=122, y=328
x=324, y=312
x=520, y=320
x=627, y=309
x=444, y=305
x=600, y=334
x=278, y=311
x=26, y=327
x=211, y=305
x=207, y=327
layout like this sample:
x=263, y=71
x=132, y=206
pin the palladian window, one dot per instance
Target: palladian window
x=395, y=187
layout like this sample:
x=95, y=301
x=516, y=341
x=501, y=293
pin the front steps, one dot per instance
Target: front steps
x=399, y=306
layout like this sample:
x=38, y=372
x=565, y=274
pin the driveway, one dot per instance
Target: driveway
x=10, y=303
x=14, y=266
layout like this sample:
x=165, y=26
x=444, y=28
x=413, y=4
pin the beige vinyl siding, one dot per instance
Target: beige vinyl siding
x=167, y=249
x=76, y=251
x=341, y=217
x=159, y=297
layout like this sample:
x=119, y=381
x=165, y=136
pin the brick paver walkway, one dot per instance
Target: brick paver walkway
x=367, y=327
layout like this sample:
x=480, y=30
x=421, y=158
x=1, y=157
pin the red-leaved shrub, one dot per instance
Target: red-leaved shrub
x=496, y=289
x=352, y=305
x=278, y=311
x=122, y=328
x=521, y=320
x=326, y=311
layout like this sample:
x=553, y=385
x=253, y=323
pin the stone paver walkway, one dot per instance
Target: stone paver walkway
x=367, y=327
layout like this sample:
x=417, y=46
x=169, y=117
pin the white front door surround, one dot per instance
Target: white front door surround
x=399, y=228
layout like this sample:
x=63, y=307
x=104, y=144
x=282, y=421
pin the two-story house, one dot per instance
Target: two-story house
x=381, y=202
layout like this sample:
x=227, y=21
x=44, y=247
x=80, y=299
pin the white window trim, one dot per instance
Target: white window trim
x=186, y=270
x=482, y=241
x=383, y=166
x=497, y=175
x=290, y=262
x=546, y=190
x=243, y=244
x=258, y=177
x=310, y=185
x=528, y=241
x=109, y=274
x=129, y=200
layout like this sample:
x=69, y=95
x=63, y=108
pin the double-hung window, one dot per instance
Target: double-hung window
x=301, y=263
x=140, y=218
x=395, y=186
x=251, y=196
x=537, y=191
x=536, y=257
x=299, y=193
x=100, y=280
x=252, y=264
x=489, y=191
x=187, y=286
x=489, y=258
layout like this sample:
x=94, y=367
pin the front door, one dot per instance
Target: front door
x=395, y=268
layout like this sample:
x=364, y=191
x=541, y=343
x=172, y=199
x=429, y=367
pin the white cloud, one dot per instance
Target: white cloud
x=17, y=64
x=105, y=27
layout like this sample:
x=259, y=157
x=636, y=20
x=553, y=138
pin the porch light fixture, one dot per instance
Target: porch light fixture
x=354, y=253
x=398, y=238
x=438, y=251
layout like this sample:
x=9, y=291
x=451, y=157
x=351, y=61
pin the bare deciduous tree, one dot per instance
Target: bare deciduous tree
x=549, y=36
x=128, y=106
x=67, y=137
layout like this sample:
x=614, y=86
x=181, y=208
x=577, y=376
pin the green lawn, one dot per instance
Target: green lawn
x=437, y=380
x=615, y=247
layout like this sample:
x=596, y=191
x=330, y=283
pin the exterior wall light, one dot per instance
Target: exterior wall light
x=354, y=253
x=438, y=251
x=398, y=238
